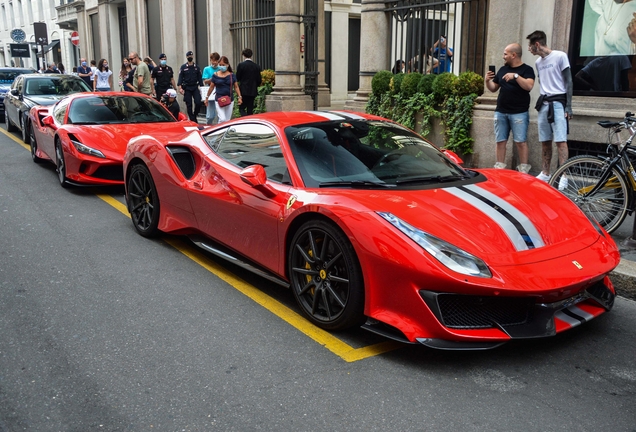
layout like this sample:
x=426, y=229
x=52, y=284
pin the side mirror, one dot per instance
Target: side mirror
x=182, y=117
x=255, y=176
x=453, y=156
x=48, y=121
x=15, y=92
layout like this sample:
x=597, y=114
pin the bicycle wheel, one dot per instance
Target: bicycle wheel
x=608, y=204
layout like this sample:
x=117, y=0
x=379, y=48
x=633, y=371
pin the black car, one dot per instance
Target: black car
x=7, y=75
x=30, y=90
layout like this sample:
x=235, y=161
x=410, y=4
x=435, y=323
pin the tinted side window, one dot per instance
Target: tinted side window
x=254, y=144
x=60, y=111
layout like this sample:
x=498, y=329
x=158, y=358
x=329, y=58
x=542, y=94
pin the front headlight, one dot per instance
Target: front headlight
x=87, y=150
x=451, y=256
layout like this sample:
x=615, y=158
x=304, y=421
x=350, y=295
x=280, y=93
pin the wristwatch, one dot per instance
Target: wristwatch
x=516, y=76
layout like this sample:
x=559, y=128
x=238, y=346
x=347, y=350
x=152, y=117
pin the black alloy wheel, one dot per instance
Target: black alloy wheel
x=7, y=122
x=61, y=165
x=326, y=277
x=33, y=144
x=143, y=201
x=26, y=136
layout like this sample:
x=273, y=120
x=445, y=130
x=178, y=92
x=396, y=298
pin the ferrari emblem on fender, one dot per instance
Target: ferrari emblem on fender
x=578, y=266
x=291, y=201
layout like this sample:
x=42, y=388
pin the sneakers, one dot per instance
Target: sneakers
x=563, y=183
x=524, y=168
x=543, y=177
x=500, y=165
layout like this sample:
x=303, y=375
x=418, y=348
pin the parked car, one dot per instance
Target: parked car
x=7, y=75
x=31, y=90
x=85, y=135
x=370, y=224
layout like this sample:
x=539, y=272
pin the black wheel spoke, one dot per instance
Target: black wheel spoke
x=334, y=278
x=304, y=254
x=336, y=297
x=307, y=286
x=312, y=245
x=305, y=271
x=333, y=260
x=325, y=302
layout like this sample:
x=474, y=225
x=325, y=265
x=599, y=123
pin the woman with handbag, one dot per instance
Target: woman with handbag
x=224, y=80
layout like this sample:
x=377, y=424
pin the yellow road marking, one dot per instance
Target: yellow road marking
x=19, y=141
x=332, y=343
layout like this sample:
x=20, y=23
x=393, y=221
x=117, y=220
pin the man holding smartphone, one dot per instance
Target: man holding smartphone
x=515, y=81
x=443, y=54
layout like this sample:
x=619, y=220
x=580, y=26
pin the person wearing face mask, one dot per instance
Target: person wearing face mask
x=163, y=76
x=103, y=77
x=208, y=71
x=189, y=82
x=224, y=81
x=84, y=72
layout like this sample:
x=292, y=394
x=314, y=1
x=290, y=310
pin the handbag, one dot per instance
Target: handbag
x=224, y=101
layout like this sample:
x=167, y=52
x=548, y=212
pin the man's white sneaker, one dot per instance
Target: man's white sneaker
x=543, y=177
x=563, y=183
x=500, y=165
x=524, y=168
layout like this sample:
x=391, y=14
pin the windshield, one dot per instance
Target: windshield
x=7, y=77
x=50, y=86
x=365, y=153
x=117, y=109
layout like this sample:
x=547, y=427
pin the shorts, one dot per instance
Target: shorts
x=518, y=123
x=557, y=130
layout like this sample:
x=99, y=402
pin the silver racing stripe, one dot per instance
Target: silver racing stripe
x=529, y=227
x=325, y=114
x=348, y=115
x=509, y=228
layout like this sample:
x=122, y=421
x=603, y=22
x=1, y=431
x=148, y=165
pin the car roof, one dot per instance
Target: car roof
x=288, y=118
x=13, y=69
x=53, y=76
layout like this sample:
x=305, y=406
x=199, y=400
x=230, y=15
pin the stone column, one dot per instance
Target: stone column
x=324, y=97
x=288, y=94
x=374, y=49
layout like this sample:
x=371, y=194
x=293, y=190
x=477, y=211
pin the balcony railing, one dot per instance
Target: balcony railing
x=67, y=14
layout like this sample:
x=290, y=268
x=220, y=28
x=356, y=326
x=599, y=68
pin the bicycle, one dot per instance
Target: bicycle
x=602, y=187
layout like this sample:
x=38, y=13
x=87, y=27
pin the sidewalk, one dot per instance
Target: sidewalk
x=624, y=276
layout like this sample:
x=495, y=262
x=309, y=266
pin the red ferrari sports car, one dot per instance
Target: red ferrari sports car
x=370, y=224
x=85, y=135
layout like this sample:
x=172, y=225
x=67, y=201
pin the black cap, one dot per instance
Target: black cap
x=162, y=56
x=189, y=53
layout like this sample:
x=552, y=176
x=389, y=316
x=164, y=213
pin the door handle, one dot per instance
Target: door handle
x=197, y=185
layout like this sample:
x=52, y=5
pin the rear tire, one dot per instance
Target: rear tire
x=143, y=201
x=33, y=144
x=26, y=138
x=608, y=205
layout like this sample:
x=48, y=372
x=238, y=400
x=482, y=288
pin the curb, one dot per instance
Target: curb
x=624, y=279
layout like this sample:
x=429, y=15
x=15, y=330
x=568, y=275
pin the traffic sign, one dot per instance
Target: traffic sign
x=75, y=38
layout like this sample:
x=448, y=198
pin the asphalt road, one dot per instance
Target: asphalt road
x=103, y=330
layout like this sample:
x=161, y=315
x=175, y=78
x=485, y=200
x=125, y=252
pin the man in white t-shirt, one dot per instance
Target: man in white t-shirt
x=554, y=104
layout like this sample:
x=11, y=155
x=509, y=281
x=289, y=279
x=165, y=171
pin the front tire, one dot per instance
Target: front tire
x=325, y=276
x=8, y=124
x=608, y=205
x=143, y=201
x=61, y=165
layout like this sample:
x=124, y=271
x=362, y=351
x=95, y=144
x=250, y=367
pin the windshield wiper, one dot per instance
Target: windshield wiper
x=432, y=179
x=355, y=183
x=86, y=123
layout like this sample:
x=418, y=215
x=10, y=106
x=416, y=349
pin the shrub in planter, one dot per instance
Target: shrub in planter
x=409, y=84
x=425, y=85
x=381, y=81
x=268, y=76
x=396, y=83
x=444, y=85
x=469, y=83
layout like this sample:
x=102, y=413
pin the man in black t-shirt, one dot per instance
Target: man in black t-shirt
x=515, y=80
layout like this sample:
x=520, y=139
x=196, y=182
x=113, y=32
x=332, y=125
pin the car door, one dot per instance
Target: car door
x=13, y=106
x=46, y=141
x=227, y=209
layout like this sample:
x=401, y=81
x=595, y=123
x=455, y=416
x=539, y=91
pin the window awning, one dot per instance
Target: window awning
x=50, y=46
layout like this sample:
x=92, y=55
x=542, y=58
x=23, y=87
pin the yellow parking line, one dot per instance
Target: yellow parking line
x=19, y=141
x=332, y=343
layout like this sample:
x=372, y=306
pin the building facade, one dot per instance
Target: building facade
x=325, y=53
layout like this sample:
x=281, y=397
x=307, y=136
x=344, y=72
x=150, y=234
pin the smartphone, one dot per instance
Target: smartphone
x=491, y=68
